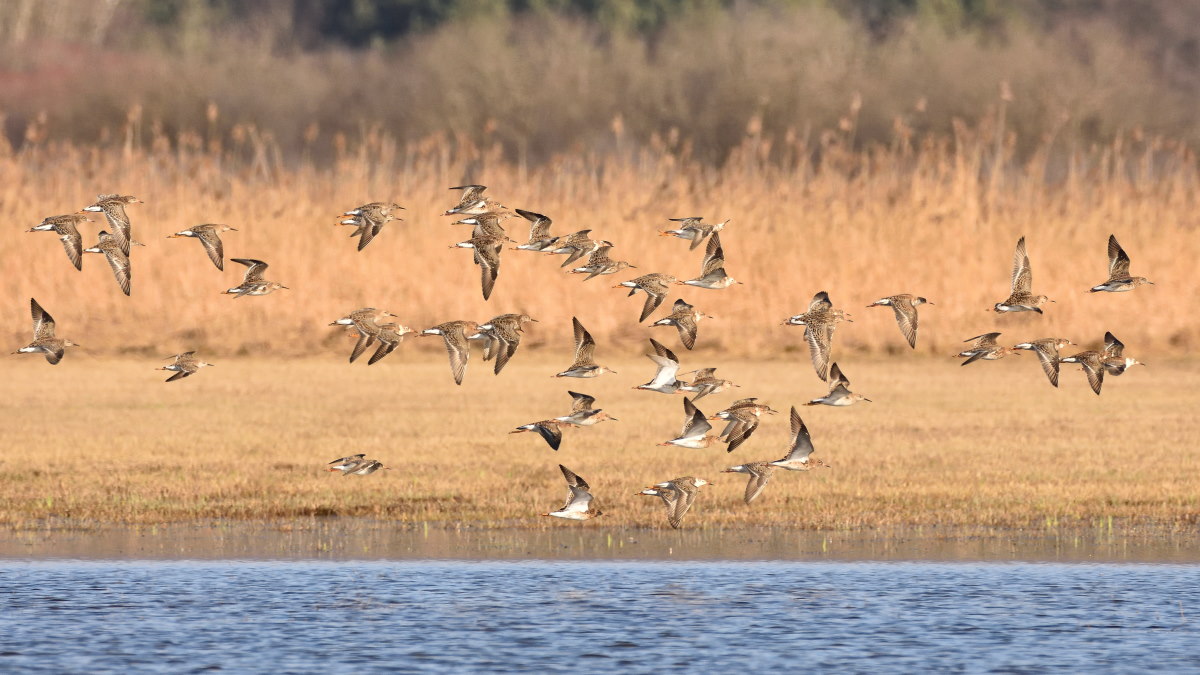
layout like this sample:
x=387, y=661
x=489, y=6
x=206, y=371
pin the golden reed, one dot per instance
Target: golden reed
x=935, y=216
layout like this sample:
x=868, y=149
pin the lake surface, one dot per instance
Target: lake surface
x=606, y=616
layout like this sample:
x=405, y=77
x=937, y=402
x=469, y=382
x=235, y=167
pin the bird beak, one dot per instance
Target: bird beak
x=868, y=400
x=617, y=420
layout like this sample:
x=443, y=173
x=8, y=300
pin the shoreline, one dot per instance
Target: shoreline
x=344, y=539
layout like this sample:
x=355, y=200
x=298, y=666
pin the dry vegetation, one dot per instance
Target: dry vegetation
x=863, y=199
x=988, y=445
x=928, y=215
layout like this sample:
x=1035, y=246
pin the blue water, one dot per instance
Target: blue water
x=184, y=616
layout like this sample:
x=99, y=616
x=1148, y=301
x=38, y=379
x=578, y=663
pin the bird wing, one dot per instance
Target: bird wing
x=254, y=271
x=180, y=375
x=801, y=445
x=43, y=323
x=1048, y=360
x=120, y=268
x=818, y=338
x=983, y=341
x=1112, y=346
x=836, y=378
x=72, y=243
x=212, y=245
x=539, y=225
x=585, y=346
x=55, y=353
x=552, y=434
x=695, y=423
x=741, y=432
x=383, y=350
x=364, y=341
x=906, y=318
x=687, y=330
x=1095, y=375
x=714, y=256
x=456, y=346
x=820, y=303
x=487, y=256
x=1118, y=260
x=667, y=369
x=683, y=503
x=504, y=351
x=759, y=475
x=1022, y=275
x=581, y=401
x=656, y=292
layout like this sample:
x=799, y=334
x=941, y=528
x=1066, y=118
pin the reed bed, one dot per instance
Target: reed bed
x=990, y=445
x=931, y=215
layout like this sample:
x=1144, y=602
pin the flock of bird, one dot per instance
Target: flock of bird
x=501, y=335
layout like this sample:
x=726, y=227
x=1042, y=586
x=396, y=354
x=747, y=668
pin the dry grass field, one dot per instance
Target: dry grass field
x=101, y=437
x=992, y=444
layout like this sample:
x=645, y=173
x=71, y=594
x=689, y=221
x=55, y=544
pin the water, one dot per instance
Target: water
x=437, y=617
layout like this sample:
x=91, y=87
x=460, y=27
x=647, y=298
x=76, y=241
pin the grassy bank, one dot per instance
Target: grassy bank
x=989, y=445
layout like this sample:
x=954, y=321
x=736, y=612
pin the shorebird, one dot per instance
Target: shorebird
x=599, y=263
x=576, y=245
x=185, y=364
x=695, y=429
x=712, y=270
x=364, y=323
x=455, y=333
x=1022, y=298
x=390, y=336
x=742, y=419
x=253, y=282
x=1119, y=279
x=668, y=496
x=905, y=307
x=487, y=255
x=488, y=224
x=760, y=473
x=664, y=381
x=684, y=317
x=579, y=499
x=549, y=430
x=1046, y=350
x=583, y=411
x=501, y=335
x=693, y=230
x=685, y=489
x=820, y=323
x=820, y=308
x=984, y=347
x=654, y=285
x=1093, y=366
x=66, y=229
x=472, y=201
x=113, y=208
x=1115, y=361
x=1095, y=363
x=539, y=232
x=585, y=349
x=209, y=235
x=839, y=391
x=705, y=382
x=117, y=258
x=369, y=220
x=44, y=341
x=800, y=448
x=367, y=468
x=345, y=464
